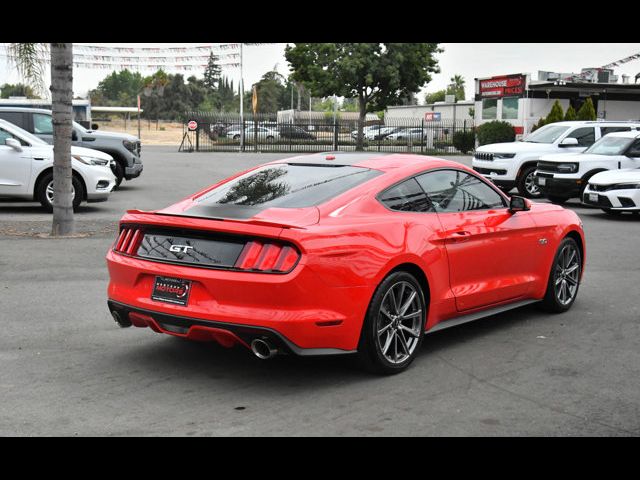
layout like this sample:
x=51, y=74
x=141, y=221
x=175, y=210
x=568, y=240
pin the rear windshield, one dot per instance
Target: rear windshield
x=288, y=186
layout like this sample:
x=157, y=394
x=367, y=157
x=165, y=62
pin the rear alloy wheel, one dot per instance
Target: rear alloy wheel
x=564, y=278
x=394, y=327
x=527, y=184
x=44, y=192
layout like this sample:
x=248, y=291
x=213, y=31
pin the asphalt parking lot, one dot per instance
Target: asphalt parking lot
x=67, y=369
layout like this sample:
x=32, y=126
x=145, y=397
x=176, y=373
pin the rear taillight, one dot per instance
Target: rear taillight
x=128, y=241
x=267, y=256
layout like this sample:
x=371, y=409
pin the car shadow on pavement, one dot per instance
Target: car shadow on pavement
x=211, y=365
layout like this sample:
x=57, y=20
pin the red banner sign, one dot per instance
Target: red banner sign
x=504, y=86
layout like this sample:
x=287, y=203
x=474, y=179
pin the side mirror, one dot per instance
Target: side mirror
x=569, y=142
x=519, y=204
x=13, y=143
x=94, y=126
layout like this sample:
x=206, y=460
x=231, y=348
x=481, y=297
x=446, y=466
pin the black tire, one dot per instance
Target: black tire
x=525, y=184
x=557, y=199
x=118, y=171
x=553, y=299
x=236, y=137
x=371, y=354
x=608, y=211
x=42, y=197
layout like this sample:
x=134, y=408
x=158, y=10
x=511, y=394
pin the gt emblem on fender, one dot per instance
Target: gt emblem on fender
x=542, y=241
x=180, y=248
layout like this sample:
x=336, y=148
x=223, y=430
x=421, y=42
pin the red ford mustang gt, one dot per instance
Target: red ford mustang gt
x=341, y=253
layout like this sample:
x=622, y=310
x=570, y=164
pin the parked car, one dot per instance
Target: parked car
x=26, y=169
x=370, y=130
x=416, y=135
x=513, y=164
x=614, y=191
x=263, y=133
x=294, y=132
x=125, y=149
x=382, y=133
x=361, y=258
x=561, y=177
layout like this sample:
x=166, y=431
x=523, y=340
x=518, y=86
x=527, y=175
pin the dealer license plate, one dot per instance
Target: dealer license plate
x=542, y=181
x=171, y=290
x=593, y=197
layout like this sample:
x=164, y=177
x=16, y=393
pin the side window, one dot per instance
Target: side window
x=4, y=135
x=456, y=191
x=42, y=124
x=17, y=118
x=406, y=197
x=586, y=136
x=634, y=150
x=605, y=130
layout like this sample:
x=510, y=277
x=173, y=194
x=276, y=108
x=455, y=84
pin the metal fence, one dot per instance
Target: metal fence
x=211, y=132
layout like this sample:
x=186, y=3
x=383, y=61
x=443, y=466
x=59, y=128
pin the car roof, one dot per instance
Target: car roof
x=629, y=134
x=576, y=123
x=24, y=109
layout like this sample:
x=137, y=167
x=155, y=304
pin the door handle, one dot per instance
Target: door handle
x=459, y=236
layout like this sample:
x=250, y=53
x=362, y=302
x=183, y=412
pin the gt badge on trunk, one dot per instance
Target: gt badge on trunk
x=171, y=290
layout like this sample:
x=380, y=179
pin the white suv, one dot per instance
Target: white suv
x=513, y=164
x=26, y=169
x=561, y=177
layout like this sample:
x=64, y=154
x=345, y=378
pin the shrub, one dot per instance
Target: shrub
x=570, y=114
x=464, y=141
x=495, y=132
x=586, y=112
x=556, y=114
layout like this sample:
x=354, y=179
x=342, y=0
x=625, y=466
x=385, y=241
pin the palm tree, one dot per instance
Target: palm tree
x=30, y=59
x=457, y=84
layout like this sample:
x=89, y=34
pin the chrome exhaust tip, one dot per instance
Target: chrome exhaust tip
x=121, y=320
x=263, y=349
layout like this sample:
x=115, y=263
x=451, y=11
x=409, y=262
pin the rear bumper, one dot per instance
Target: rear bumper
x=226, y=334
x=297, y=310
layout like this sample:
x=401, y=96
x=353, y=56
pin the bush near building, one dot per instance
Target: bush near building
x=586, y=112
x=464, y=141
x=495, y=132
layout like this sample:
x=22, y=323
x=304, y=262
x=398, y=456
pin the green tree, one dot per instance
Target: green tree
x=212, y=72
x=434, y=97
x=118, y=89
x=270, y=90
x=556, y=114
x=570, y=114
x=586, y=111
x=377, y=74
x=18, y=90
x=457, y=87
x=29, y=59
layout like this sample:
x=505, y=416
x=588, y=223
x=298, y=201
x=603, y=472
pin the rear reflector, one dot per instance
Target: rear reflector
x=270, y=257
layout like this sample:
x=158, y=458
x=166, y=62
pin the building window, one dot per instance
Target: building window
x=510, y=108
x=489, y=108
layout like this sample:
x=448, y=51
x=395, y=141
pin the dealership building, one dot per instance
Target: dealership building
x=521, y=101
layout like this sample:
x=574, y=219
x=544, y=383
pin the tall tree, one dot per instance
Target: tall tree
x=457, y=87
x=30, y=59
x=212, y=72
x=378, y=74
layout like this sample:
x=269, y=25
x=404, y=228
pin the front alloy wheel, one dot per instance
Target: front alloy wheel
x=394, y=326
x=564, y=279
x=527, y=184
